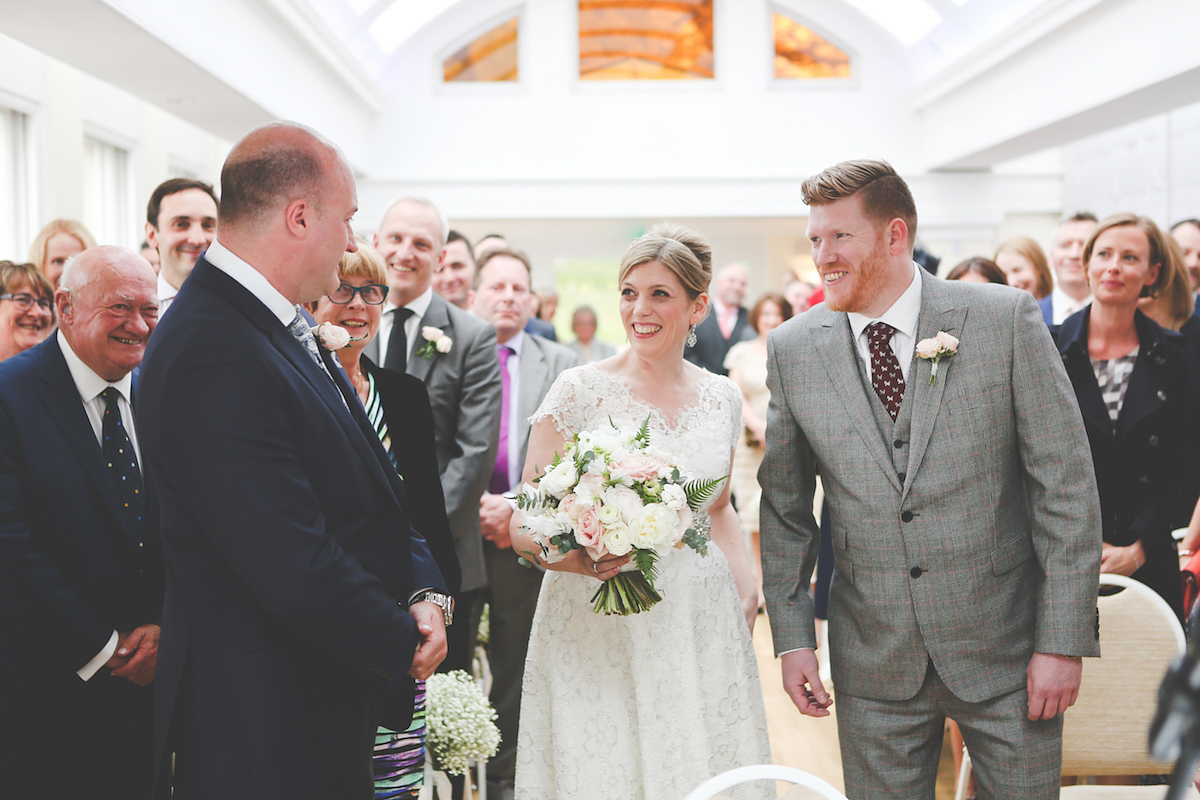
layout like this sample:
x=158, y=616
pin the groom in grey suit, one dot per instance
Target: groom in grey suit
x=965, y=519
x=463, y=384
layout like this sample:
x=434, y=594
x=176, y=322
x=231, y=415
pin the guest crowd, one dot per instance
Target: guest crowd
x=450, y=352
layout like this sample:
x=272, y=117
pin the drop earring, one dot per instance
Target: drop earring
x=691, y=337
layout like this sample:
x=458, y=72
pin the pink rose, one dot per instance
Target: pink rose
x=640, y=466
x=587, y=527
x=685, y=522
x=569, y=506
x=590, y=486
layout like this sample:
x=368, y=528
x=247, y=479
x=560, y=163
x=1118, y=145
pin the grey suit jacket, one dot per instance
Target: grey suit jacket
x=465, y=394
x=971, y=538
x=541, y=362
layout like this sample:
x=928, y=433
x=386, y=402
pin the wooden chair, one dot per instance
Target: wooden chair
x=1107, y=731
x=808, y=786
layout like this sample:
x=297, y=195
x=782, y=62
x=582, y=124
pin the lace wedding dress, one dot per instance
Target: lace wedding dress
x=652, y=704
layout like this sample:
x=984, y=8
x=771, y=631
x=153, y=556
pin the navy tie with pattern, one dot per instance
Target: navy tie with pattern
x=886, y=376
x=122, y=461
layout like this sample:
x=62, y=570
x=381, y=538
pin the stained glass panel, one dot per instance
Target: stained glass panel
x=645, y=39
x=800, y=53
x=489, y=57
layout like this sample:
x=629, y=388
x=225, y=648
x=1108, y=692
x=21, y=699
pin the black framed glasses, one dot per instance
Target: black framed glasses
x=372, y=294
x=26, y=301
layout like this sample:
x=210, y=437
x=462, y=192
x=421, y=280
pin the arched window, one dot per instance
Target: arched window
x=800, y=53
x=491, y=56
x=645, y=39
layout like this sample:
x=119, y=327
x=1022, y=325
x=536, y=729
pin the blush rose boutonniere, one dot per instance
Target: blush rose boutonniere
x=436, y=341
x=332, y=337
x=935, y=349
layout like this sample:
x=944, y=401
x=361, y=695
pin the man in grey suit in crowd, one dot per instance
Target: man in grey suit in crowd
x=965, y=519
x=502, y=296
x=463, y=384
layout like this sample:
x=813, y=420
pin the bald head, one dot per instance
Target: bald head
x=730, y=284
x=272, y=166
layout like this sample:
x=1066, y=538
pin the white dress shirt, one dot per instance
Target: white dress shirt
x=1062, y=305
x=90, y=385
x=902, y=316
x=166, y=294
x=412, y=325
x=252, y=280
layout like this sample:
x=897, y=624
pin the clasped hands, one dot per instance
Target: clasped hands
x=136, y=654
x=431, y=625
x=1052, y=683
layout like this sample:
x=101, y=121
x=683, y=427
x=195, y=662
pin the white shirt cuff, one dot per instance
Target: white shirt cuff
x=92, y=667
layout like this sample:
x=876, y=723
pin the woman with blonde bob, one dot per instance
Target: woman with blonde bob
x=26, y=308
x=55, y=243
x=1131, y=381
x=1025, y=266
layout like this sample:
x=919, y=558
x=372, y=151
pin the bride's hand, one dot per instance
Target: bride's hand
x=607, y=567
x=750, y=609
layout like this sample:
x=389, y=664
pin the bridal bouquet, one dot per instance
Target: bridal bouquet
x=611, y=493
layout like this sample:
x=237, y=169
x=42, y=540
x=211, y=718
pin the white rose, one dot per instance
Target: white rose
x=626, y=501
x=443, y=344
x=609, y=514
x=928, y=348
x=674, y=497
x=947, y=342
x=332, y=337
x=616, y=539
x=656, y=527
x=559, y=480
x=432, y=334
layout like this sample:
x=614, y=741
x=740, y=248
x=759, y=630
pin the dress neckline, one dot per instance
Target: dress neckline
x=672, y=426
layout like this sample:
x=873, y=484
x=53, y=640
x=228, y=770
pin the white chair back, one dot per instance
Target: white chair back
x=807, y=785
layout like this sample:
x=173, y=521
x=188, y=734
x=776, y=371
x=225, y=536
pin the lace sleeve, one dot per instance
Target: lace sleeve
x=731, y=395
x=567, y=402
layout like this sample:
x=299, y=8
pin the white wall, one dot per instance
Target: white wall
x=64, y=106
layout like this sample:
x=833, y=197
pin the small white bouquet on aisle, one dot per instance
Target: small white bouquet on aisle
x=611, y=493
x=461, y=722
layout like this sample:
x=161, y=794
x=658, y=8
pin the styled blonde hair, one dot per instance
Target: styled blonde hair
x=73, y=228
x=679, y=249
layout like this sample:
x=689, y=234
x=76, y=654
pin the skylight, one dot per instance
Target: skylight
x=401, y=19
x=908, y=20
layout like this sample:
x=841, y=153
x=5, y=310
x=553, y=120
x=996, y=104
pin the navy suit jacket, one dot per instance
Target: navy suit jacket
x=711, y=347
x=71, y=568
x=1046, y=304
x=289, y=553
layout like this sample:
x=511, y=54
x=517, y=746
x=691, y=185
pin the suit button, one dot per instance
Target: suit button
x=1153, y=441
x=902, y=476
x=898, y=444
x=916, y=572
x=907, y=516
x=1161, y=395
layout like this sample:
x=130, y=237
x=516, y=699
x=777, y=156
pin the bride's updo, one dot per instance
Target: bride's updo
x=679, y=249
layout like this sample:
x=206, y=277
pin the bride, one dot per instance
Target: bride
x=652, y=704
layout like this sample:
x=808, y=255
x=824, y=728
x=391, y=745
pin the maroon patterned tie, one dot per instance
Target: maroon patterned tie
x=886, y=376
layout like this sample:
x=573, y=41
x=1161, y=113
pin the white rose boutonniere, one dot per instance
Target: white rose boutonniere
x=436, y=341
x=935, y=349
x=332, y=337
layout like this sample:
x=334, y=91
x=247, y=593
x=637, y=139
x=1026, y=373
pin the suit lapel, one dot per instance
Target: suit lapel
x=1073, y=343
x=533, y=385
x=937, y=314
x=437, y=316
x=60, y=395
x=840, y=356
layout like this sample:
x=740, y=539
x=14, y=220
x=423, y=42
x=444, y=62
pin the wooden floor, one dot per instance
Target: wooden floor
x=809, y=743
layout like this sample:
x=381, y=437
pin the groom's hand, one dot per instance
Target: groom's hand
x=431, y=651
x=1052, y=683
x=802, y=682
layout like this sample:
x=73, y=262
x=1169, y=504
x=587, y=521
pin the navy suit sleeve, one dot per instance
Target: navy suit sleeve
x=38, y=608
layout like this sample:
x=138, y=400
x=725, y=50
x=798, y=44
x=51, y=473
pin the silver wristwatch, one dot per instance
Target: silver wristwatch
x=443, y=601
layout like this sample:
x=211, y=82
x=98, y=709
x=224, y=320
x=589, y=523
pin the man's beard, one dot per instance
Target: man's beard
x=867, y=277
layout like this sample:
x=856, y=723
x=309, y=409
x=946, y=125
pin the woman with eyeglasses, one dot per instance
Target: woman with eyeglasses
x=26, y=308
x=398, y=406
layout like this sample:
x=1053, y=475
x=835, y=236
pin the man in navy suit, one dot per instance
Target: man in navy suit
x=80, y=565
x=727, y=324
x=300, y=604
